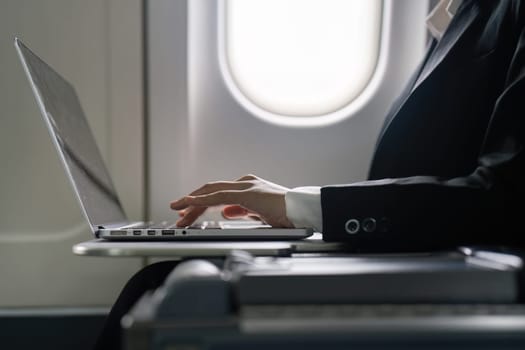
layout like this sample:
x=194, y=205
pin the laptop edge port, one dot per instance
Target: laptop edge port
x=168, y=232
x=118, y=233
x=151, y=232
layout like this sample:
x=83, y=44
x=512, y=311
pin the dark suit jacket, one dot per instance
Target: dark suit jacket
x=449, y=166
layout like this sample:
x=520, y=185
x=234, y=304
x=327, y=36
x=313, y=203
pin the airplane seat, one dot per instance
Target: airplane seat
x=446, y=300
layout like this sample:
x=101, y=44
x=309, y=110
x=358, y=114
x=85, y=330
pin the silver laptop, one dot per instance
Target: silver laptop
x=69, y=129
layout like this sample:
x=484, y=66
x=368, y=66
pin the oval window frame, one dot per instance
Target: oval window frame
x=313, y=121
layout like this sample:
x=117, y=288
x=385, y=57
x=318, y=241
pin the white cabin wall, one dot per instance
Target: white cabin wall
x=97, y=45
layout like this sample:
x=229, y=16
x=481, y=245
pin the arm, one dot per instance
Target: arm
x=428, y=212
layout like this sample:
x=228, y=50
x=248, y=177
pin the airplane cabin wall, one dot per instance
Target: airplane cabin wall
x=97, y=45
x=199, y=132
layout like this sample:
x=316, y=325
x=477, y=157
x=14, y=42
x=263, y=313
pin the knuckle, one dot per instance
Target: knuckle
x=248, y=177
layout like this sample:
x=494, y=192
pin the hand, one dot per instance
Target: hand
x=247, y=196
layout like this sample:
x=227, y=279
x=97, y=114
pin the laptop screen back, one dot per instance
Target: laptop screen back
x=69, y=129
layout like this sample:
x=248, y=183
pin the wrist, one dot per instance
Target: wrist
x=303, y=207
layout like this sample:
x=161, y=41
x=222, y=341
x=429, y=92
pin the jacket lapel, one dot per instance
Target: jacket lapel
x=396, y=106
x=459, y=25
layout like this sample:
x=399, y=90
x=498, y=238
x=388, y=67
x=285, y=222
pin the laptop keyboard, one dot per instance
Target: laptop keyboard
x=169, y=225
x=203, y=225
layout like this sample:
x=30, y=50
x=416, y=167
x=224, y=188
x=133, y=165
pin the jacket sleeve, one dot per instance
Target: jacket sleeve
x=420, y=213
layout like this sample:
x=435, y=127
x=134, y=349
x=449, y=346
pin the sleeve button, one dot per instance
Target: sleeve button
x=352, y=226
x=369, y=225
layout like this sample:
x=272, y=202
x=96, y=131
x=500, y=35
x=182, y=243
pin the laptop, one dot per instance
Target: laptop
x=93, y=186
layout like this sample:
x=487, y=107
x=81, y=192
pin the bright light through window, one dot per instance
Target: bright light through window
x=302, y=57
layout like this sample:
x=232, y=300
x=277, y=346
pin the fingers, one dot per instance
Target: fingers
x=234, y=211
x=190, y=215
x=221, y=186
x=212, y=194
x=209, y=189
x=209, y=200
x=240, y=184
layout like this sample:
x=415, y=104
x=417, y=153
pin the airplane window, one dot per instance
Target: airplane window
x=300, y=58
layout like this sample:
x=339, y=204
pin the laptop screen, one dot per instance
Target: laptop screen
x=69, y=129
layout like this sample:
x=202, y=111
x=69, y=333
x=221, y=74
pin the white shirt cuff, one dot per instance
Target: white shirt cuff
x=303, y=207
